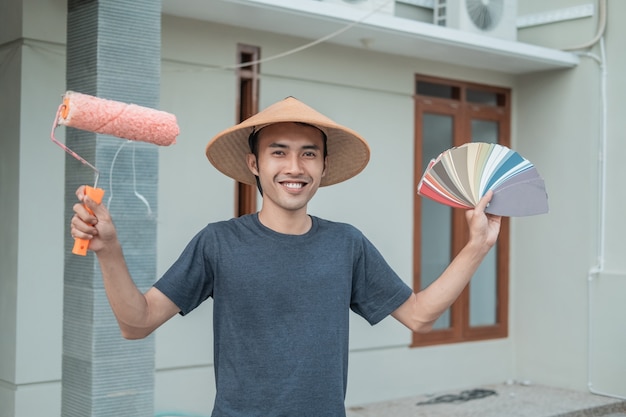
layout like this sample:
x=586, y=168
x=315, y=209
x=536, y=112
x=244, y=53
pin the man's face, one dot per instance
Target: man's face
x=290, y=165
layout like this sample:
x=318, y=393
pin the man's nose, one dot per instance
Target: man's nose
x=294, y=164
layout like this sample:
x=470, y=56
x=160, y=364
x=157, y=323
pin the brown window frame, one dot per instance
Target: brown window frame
x=462, y=112
x=247, y=105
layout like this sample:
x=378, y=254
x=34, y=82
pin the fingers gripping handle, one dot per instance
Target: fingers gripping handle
x=81, y=245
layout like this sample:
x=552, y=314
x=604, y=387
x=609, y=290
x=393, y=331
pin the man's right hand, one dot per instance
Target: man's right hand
x=98, y=227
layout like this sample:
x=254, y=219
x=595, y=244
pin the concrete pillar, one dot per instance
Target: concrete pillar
x=113, y=52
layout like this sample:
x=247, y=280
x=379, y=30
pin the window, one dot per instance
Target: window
x=450, y=113
x=247, y=105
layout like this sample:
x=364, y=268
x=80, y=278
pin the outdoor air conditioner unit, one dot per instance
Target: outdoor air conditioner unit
x=495, y=18
x=383, y=6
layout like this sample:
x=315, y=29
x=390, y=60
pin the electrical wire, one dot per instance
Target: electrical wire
x=602, y=6
x=313, y=43
x=596, y=271
x=294, y=50
x=137, y=194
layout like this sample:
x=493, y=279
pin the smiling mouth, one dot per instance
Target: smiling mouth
x=293, y=185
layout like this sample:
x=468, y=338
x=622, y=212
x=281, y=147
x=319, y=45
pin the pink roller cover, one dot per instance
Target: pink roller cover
x=127, y=121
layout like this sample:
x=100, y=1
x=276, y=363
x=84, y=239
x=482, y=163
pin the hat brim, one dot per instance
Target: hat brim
x=348, y=152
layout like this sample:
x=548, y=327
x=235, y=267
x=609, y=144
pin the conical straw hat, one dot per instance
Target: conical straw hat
x=348, y=152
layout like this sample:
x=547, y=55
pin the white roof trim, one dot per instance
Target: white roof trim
x=384, y=33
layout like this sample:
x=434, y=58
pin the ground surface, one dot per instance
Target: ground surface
x=499, y=400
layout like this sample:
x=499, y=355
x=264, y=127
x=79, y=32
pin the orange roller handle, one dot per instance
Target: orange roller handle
x=81, y=245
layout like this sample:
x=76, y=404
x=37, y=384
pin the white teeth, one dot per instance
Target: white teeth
x=293, y=184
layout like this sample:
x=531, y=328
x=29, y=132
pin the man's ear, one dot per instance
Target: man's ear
x=325, y=167
x=252, y=165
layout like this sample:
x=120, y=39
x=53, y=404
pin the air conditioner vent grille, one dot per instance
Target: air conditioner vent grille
x=485, y=14
x=495, y=18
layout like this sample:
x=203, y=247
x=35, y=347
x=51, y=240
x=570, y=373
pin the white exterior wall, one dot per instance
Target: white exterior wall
x=32, y=74
x=559, y=127
x=556, y=120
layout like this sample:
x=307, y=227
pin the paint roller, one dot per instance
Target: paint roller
x=114, y=118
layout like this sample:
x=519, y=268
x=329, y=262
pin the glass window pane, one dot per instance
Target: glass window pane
x=484, y=293
x=436, y=225
x=437, y=90
x=485, y=131
x=482, y=97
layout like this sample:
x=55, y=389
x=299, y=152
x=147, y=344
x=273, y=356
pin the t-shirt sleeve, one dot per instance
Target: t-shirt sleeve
x=377, y=290
x=189, y=281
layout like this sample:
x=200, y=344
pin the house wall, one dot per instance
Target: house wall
x=559, y=339
x=556, y=117
x=32, y=65
x=554, y=252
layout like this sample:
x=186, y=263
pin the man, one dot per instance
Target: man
x=282, y=281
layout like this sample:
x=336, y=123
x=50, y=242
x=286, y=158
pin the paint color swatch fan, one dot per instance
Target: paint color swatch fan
x=460, y=176
x=126, y=121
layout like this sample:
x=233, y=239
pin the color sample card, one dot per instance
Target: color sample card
x=460, y=176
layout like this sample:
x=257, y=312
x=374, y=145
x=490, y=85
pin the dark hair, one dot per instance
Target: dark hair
x=253, y=144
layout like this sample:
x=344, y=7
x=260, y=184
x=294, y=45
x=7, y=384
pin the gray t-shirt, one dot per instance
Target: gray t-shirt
x=281, y=311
